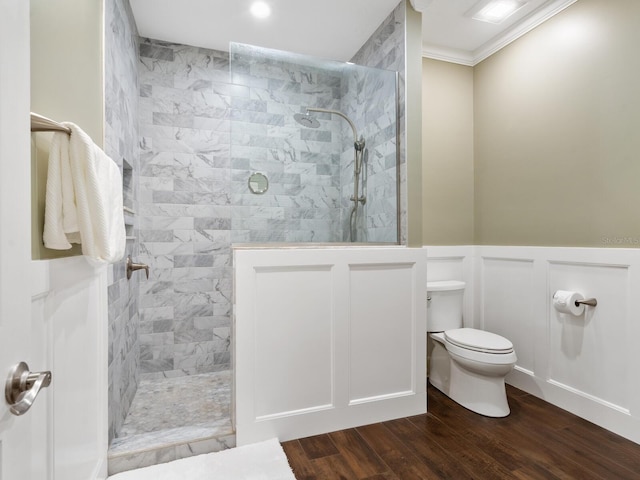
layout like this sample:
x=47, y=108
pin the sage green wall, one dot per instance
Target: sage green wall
x=557, y=148
x=447, y=153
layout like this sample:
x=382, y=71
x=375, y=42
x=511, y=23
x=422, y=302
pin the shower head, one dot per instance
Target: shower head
x=306, y=120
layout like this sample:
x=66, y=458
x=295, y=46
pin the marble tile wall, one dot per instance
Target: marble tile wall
x=185, y=209
x=121, y=144
x=385, y=49
x=370, y=101
x=302, y=164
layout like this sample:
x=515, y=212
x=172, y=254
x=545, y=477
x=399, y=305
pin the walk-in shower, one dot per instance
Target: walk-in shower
x=307, y=120
x=255, y=146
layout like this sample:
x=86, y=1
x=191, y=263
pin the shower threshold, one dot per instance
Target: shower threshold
x=172, y=418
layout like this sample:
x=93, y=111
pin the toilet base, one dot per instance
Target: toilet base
x=485, y=395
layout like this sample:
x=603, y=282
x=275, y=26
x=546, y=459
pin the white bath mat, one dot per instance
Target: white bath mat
x=259, y=461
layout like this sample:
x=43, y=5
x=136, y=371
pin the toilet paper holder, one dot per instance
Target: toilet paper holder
x=592, y=302
x=571, y=303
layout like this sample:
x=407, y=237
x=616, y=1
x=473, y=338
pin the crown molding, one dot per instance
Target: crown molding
x=521, y=28
x=499, y=42
x=451, y=55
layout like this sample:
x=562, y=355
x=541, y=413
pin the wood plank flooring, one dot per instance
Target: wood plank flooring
x=537, y=441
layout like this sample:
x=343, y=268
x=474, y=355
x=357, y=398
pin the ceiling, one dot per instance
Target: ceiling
x=334, y=29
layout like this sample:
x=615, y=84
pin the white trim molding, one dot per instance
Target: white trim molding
x=472, y=58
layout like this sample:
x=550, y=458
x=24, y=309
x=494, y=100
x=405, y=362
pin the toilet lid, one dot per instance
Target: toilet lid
x=478, y=340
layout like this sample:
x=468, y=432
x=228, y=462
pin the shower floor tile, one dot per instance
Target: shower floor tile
x=170, y=411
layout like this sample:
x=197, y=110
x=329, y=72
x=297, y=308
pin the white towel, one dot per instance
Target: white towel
x=84, y=198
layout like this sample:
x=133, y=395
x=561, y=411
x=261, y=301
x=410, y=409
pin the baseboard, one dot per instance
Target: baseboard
x=606, y=416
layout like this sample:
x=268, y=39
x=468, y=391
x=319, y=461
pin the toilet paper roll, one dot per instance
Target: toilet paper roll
x=565, y=302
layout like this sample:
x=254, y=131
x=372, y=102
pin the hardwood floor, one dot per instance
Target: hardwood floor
x=537, y=441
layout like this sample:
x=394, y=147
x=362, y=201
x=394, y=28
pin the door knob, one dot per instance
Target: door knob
x=22, y=387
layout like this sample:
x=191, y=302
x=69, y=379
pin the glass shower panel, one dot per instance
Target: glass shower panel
x=293, y=172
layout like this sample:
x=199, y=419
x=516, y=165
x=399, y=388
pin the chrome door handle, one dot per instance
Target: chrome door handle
x=22, y=387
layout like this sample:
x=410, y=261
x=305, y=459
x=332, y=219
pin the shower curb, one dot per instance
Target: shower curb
x=132, y=460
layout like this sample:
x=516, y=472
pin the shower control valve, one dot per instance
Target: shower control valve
x=362, y=199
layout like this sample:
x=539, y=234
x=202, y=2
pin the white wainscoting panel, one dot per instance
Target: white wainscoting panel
x=373, y=372
x=586, y=353
x=296, y=304
x=587, y=364
x=327, y=338
x=69, y=317
x=507, y=304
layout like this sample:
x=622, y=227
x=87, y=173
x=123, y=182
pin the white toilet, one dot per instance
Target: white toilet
x=467, y=365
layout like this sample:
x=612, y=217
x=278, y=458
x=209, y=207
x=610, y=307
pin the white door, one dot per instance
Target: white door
x=21, y=437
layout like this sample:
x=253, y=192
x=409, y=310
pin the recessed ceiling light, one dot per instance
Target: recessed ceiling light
x=260, y=9
x=497, y=11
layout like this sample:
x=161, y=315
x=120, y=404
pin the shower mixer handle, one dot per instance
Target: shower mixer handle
x=132, y=267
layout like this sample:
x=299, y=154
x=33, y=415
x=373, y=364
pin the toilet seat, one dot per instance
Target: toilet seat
x=508, y=358
x=478, y=341
x=499, y=357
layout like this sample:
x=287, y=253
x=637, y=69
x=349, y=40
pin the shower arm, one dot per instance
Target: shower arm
x=357, y=144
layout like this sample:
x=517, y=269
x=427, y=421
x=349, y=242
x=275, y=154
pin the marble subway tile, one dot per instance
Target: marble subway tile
x=181, y=197
x=193, y=84
x=212, y=223
x=248, y=104
x=153, y=360
x=230, y=90
x=157, y=339
x=174, y=120
x=160, y=326
x=152, y=287
x=186, y=331
x=257, y=117
x=156, y=52
x=192, y=310
x=192, y=286
x=166, y=223
x=156, y=235
x=193, y=261
x=316, y=135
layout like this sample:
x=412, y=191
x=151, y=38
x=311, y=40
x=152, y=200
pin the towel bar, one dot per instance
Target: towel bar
x=44, y=124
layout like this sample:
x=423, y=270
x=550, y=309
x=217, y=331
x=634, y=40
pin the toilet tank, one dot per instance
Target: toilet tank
x=444, y=310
